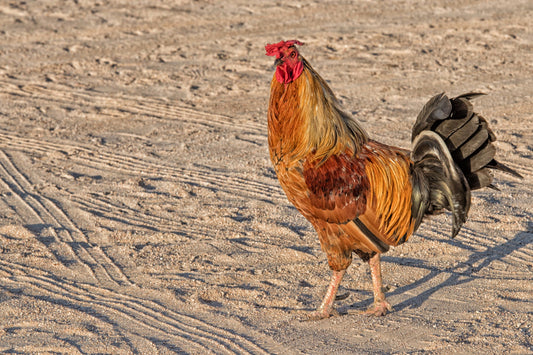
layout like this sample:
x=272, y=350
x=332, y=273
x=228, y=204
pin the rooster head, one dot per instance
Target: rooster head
x=289, y=63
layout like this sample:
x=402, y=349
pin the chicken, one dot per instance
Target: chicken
x=362, y=196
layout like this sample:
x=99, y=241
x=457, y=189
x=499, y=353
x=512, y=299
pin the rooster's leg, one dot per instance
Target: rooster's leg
x=326, y=307
x=381, y=306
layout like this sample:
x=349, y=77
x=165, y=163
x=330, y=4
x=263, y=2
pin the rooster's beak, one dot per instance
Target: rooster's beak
x=278, y=61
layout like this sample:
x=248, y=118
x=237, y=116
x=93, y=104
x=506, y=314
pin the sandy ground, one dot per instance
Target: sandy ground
x=139, y=212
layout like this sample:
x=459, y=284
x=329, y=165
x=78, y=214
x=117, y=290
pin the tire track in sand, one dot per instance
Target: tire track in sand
x=117, y=106
x=106, y=294
x=153, y=320
x=43, y=211
x=196, y=176
x=147, y=320
x=104, y=207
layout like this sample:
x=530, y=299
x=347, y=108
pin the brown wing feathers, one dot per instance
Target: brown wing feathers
x=337, y=188
x=369, y=195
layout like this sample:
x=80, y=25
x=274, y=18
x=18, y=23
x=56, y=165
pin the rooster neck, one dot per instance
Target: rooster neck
x=305, y=121
x=285, y=122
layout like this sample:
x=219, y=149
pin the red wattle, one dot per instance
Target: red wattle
x=286, y=74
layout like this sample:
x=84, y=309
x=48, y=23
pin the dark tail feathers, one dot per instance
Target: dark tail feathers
x=453, y=154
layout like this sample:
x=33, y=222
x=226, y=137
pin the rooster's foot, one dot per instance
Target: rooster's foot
x=321, y=314
x=379, y=309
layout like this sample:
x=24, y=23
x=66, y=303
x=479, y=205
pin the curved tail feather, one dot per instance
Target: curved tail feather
x=443, y=184
x=452, y=154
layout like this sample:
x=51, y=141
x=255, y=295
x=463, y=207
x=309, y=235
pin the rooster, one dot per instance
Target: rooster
x=362, y=196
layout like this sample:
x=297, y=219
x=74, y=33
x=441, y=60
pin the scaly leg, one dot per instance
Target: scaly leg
x=381, y=306
x=326, y=307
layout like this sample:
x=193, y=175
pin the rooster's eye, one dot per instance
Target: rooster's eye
x=293, y=54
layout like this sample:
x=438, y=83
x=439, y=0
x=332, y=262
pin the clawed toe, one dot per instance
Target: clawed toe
x=379, y=309
x=321, y=314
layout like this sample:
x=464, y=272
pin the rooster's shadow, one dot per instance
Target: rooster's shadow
x=460, y=273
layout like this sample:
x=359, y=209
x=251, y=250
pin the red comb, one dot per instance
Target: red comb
x=275, y=48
